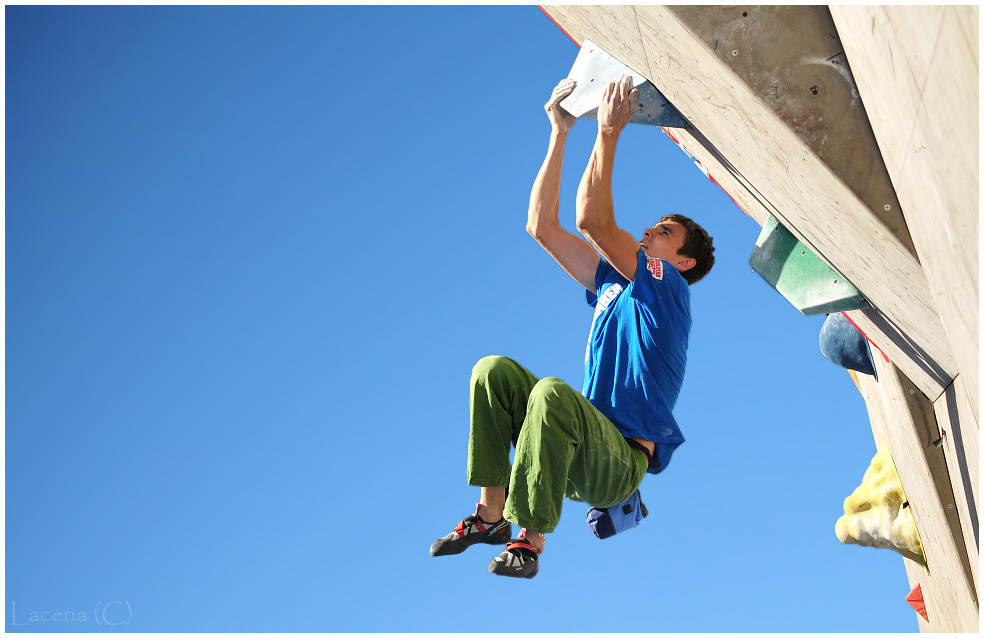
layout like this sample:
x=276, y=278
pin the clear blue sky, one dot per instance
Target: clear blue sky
x=252, y=254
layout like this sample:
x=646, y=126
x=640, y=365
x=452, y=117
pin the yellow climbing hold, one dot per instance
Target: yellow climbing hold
x=877, y=513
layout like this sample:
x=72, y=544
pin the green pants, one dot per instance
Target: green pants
x=564, y=445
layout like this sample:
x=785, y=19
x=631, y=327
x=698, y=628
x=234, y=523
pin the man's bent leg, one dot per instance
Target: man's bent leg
x=565, y=437
x=500, y=390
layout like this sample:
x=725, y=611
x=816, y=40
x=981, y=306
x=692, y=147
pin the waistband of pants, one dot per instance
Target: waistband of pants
x=642, y=448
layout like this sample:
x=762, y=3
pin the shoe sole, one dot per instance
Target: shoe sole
x=452, y=548
x=457, y=547
x=514, y=573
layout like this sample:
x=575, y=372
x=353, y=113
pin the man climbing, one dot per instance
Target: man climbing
x=597, y=446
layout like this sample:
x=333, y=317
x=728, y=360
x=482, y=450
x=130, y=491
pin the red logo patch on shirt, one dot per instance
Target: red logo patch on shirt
x=656, y=267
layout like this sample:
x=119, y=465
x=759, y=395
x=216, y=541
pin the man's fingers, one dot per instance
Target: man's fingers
x=556, y=97
x=624, y=87
x=562, y=90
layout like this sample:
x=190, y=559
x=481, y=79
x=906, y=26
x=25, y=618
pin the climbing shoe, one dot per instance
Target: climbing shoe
x=470, y=531
x=519, y=560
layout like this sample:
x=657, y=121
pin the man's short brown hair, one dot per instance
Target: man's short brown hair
x=699, y=245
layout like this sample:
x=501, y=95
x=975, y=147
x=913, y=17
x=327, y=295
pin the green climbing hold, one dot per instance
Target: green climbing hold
x=799, y=275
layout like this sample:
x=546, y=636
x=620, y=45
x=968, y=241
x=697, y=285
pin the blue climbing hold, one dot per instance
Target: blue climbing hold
x=844, y=344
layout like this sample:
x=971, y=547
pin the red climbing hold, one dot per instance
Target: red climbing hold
x=915, y=598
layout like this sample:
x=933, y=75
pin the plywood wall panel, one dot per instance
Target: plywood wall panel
x=890, y=59
x=917, y=72
x=940, y=186
x=931, y=378
x=781, y=171
x=613, y=27
x=903, y=417
x=792, y=61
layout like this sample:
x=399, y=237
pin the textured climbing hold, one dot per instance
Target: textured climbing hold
x=594, y=68
x=915, y=598
x=844, y=345
x=877, y=513
x=805, y=280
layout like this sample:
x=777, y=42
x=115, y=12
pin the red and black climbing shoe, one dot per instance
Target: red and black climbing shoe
x=471, y=531
x=519, y=560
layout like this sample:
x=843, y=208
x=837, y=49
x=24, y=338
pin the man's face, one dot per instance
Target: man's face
x=664, y=240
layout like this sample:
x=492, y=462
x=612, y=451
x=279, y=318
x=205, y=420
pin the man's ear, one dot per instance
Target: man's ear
x=685, y=263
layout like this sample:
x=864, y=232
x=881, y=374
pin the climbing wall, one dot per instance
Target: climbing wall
x=904, y=420
x=855, y=129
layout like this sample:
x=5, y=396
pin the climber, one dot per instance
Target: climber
x=595, y=446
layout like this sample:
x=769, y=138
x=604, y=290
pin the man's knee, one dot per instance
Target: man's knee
x=549, y=391
x=548, y=412
x=488, y=367
x=492, y=368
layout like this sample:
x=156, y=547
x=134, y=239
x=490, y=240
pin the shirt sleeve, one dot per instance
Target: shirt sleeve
x=657, y=283
x=603, y=272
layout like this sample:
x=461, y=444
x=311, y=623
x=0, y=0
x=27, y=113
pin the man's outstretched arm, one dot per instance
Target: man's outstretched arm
x=574, y=255
x=595, y=210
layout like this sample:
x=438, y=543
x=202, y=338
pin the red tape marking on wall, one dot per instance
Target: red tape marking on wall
x=866, y=336
x=711, y=177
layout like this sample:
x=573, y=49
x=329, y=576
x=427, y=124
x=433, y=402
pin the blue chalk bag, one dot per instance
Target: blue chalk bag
x=605, y=522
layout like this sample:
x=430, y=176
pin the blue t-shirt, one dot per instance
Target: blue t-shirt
x=637, y=351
